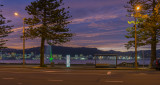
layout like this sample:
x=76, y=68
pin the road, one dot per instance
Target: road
x=30, y=76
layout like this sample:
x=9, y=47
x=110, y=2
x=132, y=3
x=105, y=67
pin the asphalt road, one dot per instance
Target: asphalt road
x=30, y=76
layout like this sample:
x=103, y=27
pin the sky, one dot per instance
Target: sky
x=96, y=23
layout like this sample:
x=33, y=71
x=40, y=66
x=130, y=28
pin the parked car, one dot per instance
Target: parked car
x=156, y=64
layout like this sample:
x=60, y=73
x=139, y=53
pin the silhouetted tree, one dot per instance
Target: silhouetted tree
x=49, y=22
x=4, y=29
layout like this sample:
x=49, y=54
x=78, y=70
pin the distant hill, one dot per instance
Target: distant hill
x=62, y=50
x=78, y=51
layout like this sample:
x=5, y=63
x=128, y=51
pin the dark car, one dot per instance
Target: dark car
x=156, y=64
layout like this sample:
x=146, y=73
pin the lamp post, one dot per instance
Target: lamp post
x=137, y=8
x=16, y=14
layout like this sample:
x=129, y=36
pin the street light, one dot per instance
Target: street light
x=16, y=14
x=137, y=9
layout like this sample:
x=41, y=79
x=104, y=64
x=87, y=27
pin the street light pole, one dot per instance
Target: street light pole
x=16, y=14
x=135, y=44
x=137, y=8
x=23, y=42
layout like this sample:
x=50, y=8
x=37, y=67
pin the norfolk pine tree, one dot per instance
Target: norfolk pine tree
x=148, y=28
x=151, y=26
x=4, y=29
x=131, y=9
x=48, y=22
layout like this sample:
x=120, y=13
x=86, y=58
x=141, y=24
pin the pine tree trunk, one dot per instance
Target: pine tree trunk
x=153, y=50
x=42, y=52
x=43, y=39
x=153, y=44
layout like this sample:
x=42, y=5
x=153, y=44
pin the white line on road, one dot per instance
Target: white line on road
x=142, y=74
x=109, y=73
x=8, y=78
x=114, y=81
x=78, y=73
x=50, y=71
x=25, y=72
x=4, y=71
x=56, y=80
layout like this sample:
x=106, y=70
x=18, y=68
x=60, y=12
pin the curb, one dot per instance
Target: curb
x=92, y=68
x=76, y=68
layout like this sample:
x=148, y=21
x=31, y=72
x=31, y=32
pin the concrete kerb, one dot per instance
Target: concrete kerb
x=76, y=68
x=93, y=68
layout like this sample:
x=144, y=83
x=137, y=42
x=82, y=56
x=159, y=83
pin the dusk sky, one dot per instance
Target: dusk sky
x=96, y=23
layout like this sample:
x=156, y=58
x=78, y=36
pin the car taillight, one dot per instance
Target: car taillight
x=156, y=62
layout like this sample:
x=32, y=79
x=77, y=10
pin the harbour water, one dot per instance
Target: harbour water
x=113, y=61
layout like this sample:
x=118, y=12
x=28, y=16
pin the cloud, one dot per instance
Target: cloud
x=17, y=29
x=95, y=25
x=17, y=43
x=104, y=45
x=86, y=8
x=108, y=25
x=95, y=41
x=77, y=4
x=92, y=18
x=114, y=32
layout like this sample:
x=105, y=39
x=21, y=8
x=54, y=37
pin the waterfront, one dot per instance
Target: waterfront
x=141, y=62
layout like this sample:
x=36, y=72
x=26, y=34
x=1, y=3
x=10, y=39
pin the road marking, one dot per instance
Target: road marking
x=56, y=80
x=8, y=78
x=142, y=73
x=78, y=73
x=19, y=83
x=114, y=81
x=50, y=71
x=25, y=72
x=4, y=71
x=109, y=73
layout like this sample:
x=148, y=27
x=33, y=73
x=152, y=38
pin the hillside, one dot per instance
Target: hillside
x=78, y=51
